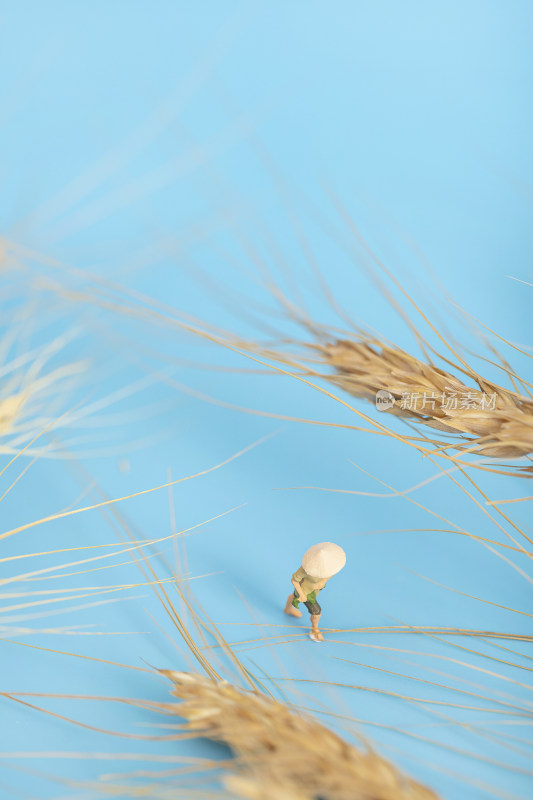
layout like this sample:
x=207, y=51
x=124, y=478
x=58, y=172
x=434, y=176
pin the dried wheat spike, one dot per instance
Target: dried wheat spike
x=10, y=408
x=281, y=754
x=498, y=422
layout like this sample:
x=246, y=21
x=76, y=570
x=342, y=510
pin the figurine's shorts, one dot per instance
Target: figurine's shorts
x=311, y=604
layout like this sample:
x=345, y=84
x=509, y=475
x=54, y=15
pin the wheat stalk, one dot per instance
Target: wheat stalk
x=281, y=754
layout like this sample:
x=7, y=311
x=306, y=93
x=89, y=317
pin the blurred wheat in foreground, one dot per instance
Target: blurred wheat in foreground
x=279, y=754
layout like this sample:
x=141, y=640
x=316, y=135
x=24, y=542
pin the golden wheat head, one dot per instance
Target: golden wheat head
x=497, y=422
x=281, y=754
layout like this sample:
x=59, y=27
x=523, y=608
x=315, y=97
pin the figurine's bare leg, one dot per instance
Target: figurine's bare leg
x=315, y=633
x=290, y=609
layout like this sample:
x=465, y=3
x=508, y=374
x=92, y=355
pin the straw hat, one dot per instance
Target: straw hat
x=324, y=560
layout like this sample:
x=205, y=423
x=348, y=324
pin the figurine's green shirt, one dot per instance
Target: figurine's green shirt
x=307, y=582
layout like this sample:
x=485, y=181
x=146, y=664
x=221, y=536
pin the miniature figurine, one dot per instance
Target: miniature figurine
x=319, y=564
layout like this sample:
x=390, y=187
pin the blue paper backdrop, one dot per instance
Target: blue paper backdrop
x=191, y=152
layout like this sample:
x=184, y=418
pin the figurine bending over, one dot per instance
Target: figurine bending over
x=319, y=564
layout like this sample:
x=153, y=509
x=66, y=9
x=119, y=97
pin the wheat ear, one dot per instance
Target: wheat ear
x=282, y=754
x=497, y=422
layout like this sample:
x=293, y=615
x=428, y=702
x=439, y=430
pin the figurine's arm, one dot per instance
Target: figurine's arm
x=298, y=588
x=296, y=580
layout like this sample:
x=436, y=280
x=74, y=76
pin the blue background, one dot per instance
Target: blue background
x=196, y=154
